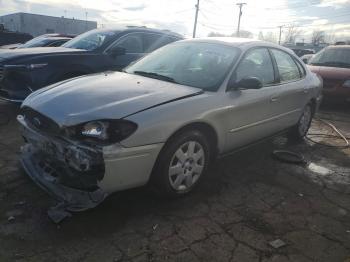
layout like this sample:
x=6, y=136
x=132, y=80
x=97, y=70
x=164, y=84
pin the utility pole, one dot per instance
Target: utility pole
x=279, y=39
x=195, y=19
x=239, y=17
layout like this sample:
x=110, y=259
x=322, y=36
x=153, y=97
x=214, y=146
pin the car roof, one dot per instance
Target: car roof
x=58, y=38
x=339, y=47
x=242, y=43
x=127, y=29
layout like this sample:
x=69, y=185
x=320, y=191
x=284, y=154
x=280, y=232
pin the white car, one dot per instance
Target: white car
x=164, y=118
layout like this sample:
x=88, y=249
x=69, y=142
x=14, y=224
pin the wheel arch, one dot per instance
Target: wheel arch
x=313, y=105
x=205, y=128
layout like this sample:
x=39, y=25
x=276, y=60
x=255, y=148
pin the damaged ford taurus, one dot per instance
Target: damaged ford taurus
x=164, y=118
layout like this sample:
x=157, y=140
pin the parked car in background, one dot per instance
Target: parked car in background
x=164, y=118
x=9, y=37
x=47, y=40
x=333, y=65
x=24, y=70
x=306, y=58
x=10, y=46
x=301, y=52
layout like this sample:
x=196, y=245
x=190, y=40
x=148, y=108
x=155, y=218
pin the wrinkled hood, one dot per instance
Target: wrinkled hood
x=331, y=72
x=7, y=54
x=112, y=95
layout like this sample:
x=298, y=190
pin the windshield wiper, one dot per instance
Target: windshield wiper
x=156, y=76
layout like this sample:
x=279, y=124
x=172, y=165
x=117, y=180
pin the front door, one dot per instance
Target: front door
x=252, y=113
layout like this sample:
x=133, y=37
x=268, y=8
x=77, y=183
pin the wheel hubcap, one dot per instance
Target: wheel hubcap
x=305, y=121
x=186, y=166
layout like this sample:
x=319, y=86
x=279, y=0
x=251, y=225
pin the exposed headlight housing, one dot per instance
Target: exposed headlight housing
x=95, y=129
x=347, y=84
x=106, y=130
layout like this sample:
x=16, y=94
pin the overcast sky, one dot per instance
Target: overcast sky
x=221, y=16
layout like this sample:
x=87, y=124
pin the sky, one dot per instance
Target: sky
x=221, y=16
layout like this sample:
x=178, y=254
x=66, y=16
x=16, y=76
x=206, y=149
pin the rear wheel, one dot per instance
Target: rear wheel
x=181, y=164
x=299, y=131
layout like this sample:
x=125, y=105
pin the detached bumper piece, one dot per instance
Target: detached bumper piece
x=69, y=173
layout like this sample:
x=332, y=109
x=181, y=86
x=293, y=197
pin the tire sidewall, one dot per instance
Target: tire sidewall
x=299, y=122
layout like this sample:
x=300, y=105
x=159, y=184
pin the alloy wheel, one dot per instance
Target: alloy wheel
x=186, y=166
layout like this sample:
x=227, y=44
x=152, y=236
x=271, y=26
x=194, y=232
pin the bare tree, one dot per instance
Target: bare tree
x=291, y=34
x=216, y=34
x=271, y=37
x=318, y=37
x=244, y=34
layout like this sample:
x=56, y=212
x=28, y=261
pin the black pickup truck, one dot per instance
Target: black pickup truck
x=25, y=70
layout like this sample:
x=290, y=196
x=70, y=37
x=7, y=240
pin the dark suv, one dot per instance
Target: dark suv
x=23, y=71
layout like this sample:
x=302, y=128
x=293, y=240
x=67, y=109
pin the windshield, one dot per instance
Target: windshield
x=334, y=57
x=91, y=40
x=35, y=42
x=201, y=65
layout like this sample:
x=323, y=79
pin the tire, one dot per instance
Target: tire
x=181, y=164
x=299, y=131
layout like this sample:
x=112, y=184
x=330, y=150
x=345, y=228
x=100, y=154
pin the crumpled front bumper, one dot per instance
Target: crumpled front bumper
x=74, y=199
x=35, y=160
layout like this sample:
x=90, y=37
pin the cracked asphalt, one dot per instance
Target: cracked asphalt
x=246, y=201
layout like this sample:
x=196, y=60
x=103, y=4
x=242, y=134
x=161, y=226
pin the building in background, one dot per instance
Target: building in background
x=36, y=25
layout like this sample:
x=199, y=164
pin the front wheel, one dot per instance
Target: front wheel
x=181, y=164
x=299, y=131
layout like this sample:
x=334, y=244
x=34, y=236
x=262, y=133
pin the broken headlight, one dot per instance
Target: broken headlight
x=96, y=129
x=107, y=130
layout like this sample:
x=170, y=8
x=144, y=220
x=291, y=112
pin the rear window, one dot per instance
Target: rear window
x=333, y=57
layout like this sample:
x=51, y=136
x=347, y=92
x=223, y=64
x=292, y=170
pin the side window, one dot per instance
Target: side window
x=57, y=43
x=256, y=63
x=152, y=42
x=132, y=43
x=288, y=70
x=301, y=69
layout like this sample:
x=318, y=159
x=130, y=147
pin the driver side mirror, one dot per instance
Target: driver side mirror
x=117, y=51
x=246, y=83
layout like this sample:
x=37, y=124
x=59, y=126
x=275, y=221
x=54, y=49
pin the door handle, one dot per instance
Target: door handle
x=305, y=91
x=274, y=99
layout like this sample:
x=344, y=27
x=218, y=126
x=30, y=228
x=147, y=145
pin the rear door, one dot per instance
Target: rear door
x=133, y=45
x=292, y=92
x=153, y=41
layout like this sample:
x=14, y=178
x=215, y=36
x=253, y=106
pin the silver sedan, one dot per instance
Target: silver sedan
x=163, y=119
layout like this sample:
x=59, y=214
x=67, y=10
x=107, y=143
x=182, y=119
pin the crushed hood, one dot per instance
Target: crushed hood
x=112, y=95
x=9, y=54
